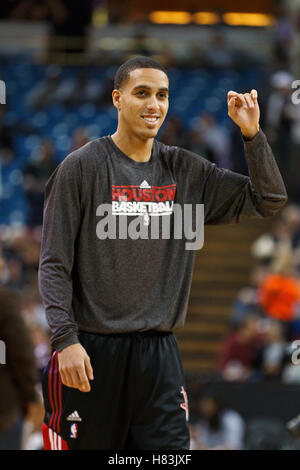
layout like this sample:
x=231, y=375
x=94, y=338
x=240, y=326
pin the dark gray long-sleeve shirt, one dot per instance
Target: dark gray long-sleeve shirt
x=100, y=285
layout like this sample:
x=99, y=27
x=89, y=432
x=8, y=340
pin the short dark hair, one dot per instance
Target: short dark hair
x=140, y=62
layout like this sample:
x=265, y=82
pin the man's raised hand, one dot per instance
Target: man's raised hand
x=243, y=109
x=75, y=367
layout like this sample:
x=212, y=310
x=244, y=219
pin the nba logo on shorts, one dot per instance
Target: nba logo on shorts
x=73, y=430
x=185, y=405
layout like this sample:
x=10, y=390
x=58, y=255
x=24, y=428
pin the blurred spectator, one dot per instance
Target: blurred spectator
x=173, y=132
x=279, y=293
x=66, y=90
x=195, y=143
x=215, y=138
x=80, y=137
x=284, y=234
x=18, y=396
x=43, y=94
x=42, y=349
x=240, y=351
x=23, y=246
x=219, y=54
x=32, y=309
x=293, y=9
x=82, y=88
x=85, y=89
x=194, y=444
x=274, y=350
x=281, y=117
x=246, y=300
x=218, y=427
x=32, y=438
x=13, y=275
x=283, y=37
x=36, y=174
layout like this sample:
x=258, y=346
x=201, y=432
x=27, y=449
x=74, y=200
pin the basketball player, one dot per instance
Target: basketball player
x=115, y=378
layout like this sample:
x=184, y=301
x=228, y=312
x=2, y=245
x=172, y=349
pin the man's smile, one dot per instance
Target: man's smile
x=151, y=119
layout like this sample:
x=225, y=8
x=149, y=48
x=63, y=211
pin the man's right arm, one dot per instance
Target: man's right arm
x=62, y=216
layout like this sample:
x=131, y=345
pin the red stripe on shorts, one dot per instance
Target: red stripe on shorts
x=52, y=440
x=59, y=402
x=50, y=388
x=55, y=391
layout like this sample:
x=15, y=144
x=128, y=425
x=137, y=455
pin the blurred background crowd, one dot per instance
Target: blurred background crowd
x=58, y=97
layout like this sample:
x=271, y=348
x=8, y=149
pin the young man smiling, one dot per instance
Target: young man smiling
x=142, y=103
x=113, y=303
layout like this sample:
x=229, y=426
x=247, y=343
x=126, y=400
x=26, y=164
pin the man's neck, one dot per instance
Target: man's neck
x=135, y=148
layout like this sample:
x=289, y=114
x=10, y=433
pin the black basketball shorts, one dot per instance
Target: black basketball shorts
x=137, y=398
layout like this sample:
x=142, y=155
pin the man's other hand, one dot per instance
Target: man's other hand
x=75, y=367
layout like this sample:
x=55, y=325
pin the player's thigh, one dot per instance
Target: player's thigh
x=161, y=415
x=164, y=427
x=86, y=420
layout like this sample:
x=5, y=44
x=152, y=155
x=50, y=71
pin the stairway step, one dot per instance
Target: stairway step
x=193, y=328
x=192, y=367
x=211, y=292
x=213, y=299
x=211, y=269
x=199, y=355
x=218, y=284
x=222, y=260
x=201, y=337
x=203, y=346
x=221, y=269
x=216, y=279
x=210, y=310
x=218, y=247
x=217, y=319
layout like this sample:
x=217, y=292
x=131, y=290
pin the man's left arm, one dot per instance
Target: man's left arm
x=233, y=196
x=266, y=179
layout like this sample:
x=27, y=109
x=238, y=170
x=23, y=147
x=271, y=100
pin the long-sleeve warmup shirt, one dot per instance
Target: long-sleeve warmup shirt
x=107, y=284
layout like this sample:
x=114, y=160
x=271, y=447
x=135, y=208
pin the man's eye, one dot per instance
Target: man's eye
x=140, y=92
x=162, y=95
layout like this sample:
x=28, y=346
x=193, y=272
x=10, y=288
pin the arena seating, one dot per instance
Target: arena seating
x=192, y=92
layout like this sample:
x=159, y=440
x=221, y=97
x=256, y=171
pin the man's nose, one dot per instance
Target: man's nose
x=152, y=104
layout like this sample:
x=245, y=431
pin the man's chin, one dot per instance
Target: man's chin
x=149, y=133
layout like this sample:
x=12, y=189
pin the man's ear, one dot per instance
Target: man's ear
x=116, y=97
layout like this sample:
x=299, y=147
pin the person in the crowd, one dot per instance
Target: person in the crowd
x=240, y=351
x=279, y=293
x=18, y=371
x=274, y=350
x=246, y=300
x=36, y=174
x=218, y=426
x=216, y=139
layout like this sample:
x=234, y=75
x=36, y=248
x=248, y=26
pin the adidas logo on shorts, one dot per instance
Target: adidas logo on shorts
x=74, y=416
